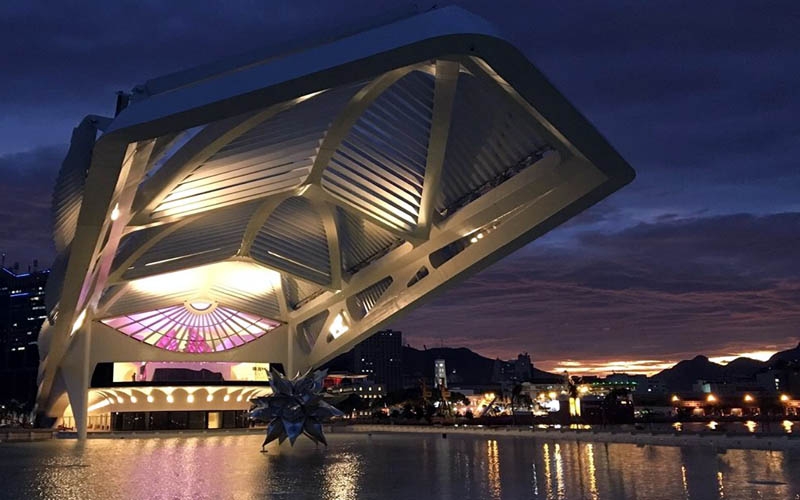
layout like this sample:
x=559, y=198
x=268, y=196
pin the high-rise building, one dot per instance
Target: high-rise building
x=22, y=311
x=379, y=357
x=439, y=373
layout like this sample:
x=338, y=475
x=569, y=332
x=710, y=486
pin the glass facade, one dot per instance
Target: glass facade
x=179, y=420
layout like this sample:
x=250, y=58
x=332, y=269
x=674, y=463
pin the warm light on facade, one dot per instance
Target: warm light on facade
x=78, y=322
x=748, y=398
x=784, y=398
x=240, y=276
x=711, y=398
x=338, y=327
x=675, y=398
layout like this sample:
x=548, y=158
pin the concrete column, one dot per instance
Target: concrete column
x=77, y=372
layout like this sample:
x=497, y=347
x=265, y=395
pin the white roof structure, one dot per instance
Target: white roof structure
x=281, y=209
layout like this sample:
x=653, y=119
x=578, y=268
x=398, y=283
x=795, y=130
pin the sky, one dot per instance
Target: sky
x=699, y=255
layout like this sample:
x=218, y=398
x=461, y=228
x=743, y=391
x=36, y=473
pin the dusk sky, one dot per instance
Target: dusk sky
x=701, y=254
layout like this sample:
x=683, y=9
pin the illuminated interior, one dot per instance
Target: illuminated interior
x=149, y=371
x=189, y=328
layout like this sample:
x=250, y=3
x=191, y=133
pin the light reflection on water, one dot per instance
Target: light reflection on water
x=389, y=466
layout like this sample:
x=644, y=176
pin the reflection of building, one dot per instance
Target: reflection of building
x=380, y=357
x=439, y=373
x=22, y=311
x=282, y=208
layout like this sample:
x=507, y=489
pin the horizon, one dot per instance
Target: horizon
x=698, y=254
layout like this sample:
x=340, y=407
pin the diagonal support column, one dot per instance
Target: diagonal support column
x=77, y=372
x=443, y=97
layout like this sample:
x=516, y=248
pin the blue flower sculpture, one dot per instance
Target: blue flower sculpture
x=295, y=407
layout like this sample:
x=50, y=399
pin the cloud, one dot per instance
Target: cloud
x=664, y=290
x=26, y=192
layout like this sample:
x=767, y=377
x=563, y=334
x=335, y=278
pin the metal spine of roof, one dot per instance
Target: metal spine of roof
x=274, y=156
x=362, y=302
x=380, y=165
x=489, y=133
x=211, y=238
x=310, y=330
x=55, y=281
x=68, y=192
x=262, y=304
x=297, y=291
x=131, y=242
x=133, y=300
x=293, y=240
x=361, y=241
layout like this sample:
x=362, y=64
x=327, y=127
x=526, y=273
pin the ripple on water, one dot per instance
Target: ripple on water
x=388, y=466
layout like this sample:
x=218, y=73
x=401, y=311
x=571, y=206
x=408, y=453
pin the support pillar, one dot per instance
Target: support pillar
x=77, y=372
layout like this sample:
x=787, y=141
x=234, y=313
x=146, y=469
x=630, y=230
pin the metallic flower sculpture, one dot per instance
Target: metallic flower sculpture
x=295, y=407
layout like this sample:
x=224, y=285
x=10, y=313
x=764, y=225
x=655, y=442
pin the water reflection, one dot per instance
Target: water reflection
x=388, y=466
x=493, y=469
x=342, y=478
x=592, y=472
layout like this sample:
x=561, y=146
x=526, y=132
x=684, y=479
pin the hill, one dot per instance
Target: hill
x=685, y=373
x=470, y=367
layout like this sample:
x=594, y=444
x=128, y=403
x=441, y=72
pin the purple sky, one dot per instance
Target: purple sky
x=699, y=255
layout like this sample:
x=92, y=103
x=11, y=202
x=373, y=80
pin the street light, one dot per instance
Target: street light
x=711, y=398
x=748, y=398
x=675, y=398
x=784, y=398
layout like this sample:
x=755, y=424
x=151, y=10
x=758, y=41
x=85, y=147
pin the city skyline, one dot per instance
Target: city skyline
x=697, y=256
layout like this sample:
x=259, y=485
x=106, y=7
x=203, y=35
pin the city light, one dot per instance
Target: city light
x=134, y=400
x=190, y=398
x=675, y=398
x=150, y=398
x=552, y=395
x=787, y=425
x=751, y=426
x=120, y=400
x=170, y=399
x=784, y=398
x=711, y=398
x=210, y=398
x=748, y=398
x=226, y=398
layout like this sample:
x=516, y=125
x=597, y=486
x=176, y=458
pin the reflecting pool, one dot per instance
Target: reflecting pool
x=357, y=466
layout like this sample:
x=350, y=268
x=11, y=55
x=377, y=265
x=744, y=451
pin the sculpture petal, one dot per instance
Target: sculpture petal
x=313, y=429
x=275, y=430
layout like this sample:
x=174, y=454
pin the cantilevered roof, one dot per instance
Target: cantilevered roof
x=316, y=194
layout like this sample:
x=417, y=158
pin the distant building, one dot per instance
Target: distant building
x=380, y=358
x=514, y=371
x=439, y=373
x=523, y=368
x=22, y=311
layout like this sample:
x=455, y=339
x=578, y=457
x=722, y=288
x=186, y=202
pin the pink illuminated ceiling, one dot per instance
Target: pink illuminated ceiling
x=193, y=327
